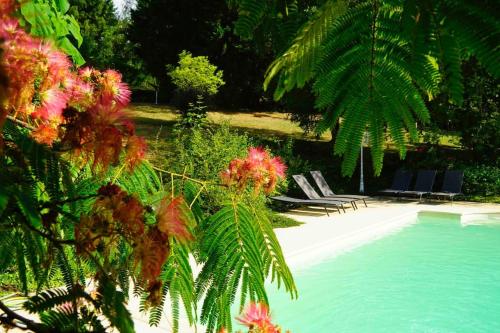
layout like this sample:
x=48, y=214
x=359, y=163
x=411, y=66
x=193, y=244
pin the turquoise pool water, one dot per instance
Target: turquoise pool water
x=433, y=276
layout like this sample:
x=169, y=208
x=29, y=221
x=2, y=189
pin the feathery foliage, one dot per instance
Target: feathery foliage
x=375, y=63
x=239, y=249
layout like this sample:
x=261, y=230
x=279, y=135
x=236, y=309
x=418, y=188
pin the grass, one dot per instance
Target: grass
x=152, y=119
x=484, y=199
x=267, y=123
x=281, y=221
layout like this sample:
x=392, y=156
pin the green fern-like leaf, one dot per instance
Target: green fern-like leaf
x=49, y=299
x=113, y=306
x=374, y=63
x=250, y=14
x=178, y=283
x=296, y=64
x=239, y=250
x=21, y=265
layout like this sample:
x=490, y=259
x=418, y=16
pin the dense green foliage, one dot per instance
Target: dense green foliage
x=100, y=31
x=50, y=19
x=81, y=209
x=482, y=180
x=478, y=120
x=374, y=63
x=204, y=151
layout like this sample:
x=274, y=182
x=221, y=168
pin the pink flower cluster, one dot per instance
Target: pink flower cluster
x=259, y=168
x=81, y=109
x=258, y=319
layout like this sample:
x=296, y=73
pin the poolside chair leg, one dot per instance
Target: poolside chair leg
x=365, y=203
x=353, y=205
x=342, y=206
x=326, y=210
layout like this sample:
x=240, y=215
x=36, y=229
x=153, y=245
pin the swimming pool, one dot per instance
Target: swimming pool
x=436, y=275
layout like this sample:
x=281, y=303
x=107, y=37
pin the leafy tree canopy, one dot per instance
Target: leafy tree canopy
x=100, y=30
x=105, y=42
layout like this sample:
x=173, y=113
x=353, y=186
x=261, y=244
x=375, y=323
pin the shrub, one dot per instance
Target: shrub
x=204, y=152
x=481, y=180
x=194, y=77
x=195, y=114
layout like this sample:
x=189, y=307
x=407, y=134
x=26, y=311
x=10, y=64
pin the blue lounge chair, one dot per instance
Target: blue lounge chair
x=400, y=183
x=423, y=184
x=452, y=185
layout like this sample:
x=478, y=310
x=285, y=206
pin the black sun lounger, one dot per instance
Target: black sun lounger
x=327, y=191
x=307, y=202
x=400, y=183
x=452, y=185
x=423, y=184
x=313, y=195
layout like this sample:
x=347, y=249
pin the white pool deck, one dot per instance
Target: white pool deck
x=321, y=236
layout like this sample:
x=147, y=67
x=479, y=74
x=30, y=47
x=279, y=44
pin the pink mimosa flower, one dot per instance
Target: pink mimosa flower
x=136, y=151
x=58, y=66
x=7, y=7
x=8, y=28
x=53, y=101
x=81, y=93
x=258, y=167
x=113, y=89
x=85, y=73
x=83, y=109
x=257, y=154
x=45, y=134
x=278, y=166
x=107, y=147
x=256, y=315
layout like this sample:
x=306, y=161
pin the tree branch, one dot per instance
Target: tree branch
x=48, y=236
x=9, y=317
x=20, y=122
x=65, y=201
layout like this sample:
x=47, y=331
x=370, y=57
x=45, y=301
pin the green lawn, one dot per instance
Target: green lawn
x=150, y=117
